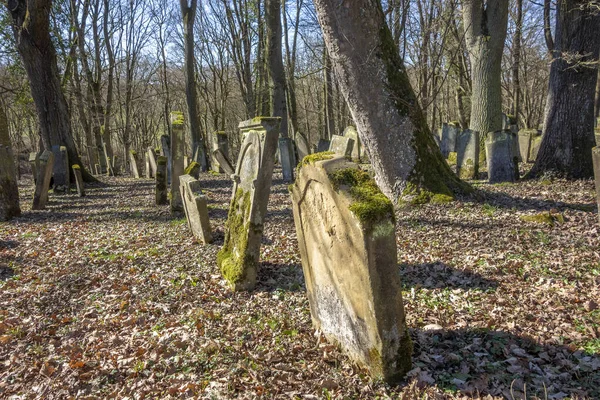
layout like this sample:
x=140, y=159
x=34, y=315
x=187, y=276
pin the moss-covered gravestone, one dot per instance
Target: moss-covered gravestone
x=177, y=153
x=161, y=193
x=133, y=164
x=341, y=145
x=467, y=154
x=79, y=180
x=596, y=160
x=501, y=156
x=42, y=184
x=193, y=169
x=346, y=234
x=224, y=163
x=194, y=205
x=239, y=256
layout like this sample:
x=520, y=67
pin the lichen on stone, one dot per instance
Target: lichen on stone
x=161, y=160
x=547, y=218
x=192, y=168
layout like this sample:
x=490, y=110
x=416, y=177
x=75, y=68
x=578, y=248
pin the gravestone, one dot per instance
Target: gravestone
x=357, y=149
x=61, y=170
x=109, y=167
x=186, y=162
x=78, y=180
x=200, y=158
x=348, y=249
x=341, y=145
x=467, y=154
x=220, y=142
x=161, y=194
x=223, y=162
x=449, y=133
x=536, y=142
x=9, y=190
x=148, y=170
x=239, y=256
x=177, y=153
x=42, y=185
x=97, y=169
x=323, y=145
x=193, y=169
x=33, y=161
x=286, y=158
x=501, y=156
x=194, y=205
x=135, y=172
x=152, y=160
x=165, y=150
x=302, y=147
x=596, y=160
x=524, y=139
x=597, y=136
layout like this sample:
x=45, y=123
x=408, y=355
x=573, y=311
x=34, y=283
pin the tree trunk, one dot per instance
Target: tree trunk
x=516, y=98
x=275, y=64
x=31, y=28
x=408, y=164
x=568, y=135
x=485, y=32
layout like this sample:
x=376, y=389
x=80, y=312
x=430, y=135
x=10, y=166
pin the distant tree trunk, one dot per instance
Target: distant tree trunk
x=568, y=135
x=275, y=64
x=408, y=164
x=485, y=25
x=516, y=95
x=31, y=28
x=328, y=113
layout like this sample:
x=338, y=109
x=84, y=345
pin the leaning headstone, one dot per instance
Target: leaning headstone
x=341, y=145
x=449, y=133
x=135, y=172
x=194, y=205
x=346, y=235
x=536, y=142
x=223, y=162
x=177, y=153
x=152, y=160
x=33, y=161
x=148, y=170
x=186, y=161
x=42, y=185
x=109, y=167
x=219, y=142
x=9, y=190
x=286, y=158
x=200, y=157
x=501, y=156
x=467, y=154
x=161, y=195
x=357, y=149
x=61, y=169
x=596, y=160
x=323, y=145
x=239, y=256
x=302, y=147
x=78, y=180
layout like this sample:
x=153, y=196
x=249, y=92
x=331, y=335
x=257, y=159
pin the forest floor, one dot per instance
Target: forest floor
x=109, y=296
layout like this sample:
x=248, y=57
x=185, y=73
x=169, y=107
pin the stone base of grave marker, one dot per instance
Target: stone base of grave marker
x=9, y=191
x=42, y=185
x=501, y=156
x=349, y=258
x=194, y=205
x=78, y=180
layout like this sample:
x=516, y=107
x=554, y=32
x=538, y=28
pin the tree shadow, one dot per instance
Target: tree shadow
x=439, y=275
x=6, y=272
x=285, y=277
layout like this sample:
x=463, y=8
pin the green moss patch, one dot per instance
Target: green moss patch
x=161, y=160
x=192, y=169
x=369, y=203
x=177, y=118
x=417, y=196
x=546, y=218
x=76, y=166
x=313, y=158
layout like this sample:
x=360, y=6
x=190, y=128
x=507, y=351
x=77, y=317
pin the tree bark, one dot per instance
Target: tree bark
x=31, y=29
x=408, y=164
x=275, y=64
x=568, y=135
x=516, y=95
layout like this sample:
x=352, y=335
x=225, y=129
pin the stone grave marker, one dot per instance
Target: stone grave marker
x=152, y=160
x=148, y=170
x=97, y=169
x=223, y=162
x=42, y=185
x=323, y=145
x=177, y=153
x=193, y=169
x=61, y=170
x=220, y=142
x=596, y=160
x=78, y=180
x=302, y=147
x=165, y=150
x=238, y=258
x=9, y=190
x=135, y=172
x=341, y=145
x=34, y=161
x=597, y=136
x=501, y=156
x=286, y=158
x=536, y=142
x=349, y=257
x=467, y=154
x=448, y=142
x=524, y=140
x=161, y=194
x=357, y=149
x=200, y=158
x=194, y=205
x=109, y=167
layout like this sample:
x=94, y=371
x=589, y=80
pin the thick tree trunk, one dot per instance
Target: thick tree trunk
x=568, y=135
x=485, y=32
x=32, y=34
x=408, y=164
x=516, y=95
x=275, y=64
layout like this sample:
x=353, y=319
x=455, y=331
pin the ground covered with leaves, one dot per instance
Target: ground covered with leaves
x=109, y=296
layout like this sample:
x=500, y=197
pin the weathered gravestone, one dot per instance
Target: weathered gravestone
x=302, y=147
x=177, y=153
x=161, y=193
x=193, y=169
x=467, y=154
x=78, y=180
x=501, y=155
x=323, y=145
x=597, y=136
x=109, y=167
x=239, y=256
x=33, y=161
x=200, y=157
x=524, y=139
x=596, y=160
x=223, y=162
x=61, y=170
x=9, y=191
x=536, y=142
x=286, y=158
x=341, y=145
x=194, y=205
x=219, y=142
x=42, y=184
x=97, y=169
x=152, y=160
x=346, y=235
x=165, y=151
x=135, y=172
x=448, y=142
x=357, y=149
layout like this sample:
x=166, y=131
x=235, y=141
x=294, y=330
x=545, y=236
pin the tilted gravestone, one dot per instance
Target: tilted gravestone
x=9, y=190
x=524, y=139
x=61, y=170
x=357, y=149
x=448, y=142
x=467, y=154
x=501, y=155
x=219, y=142
x=596, y=160
x=78, y=180
x=194, y=205
x=133, y=164
x=224, y=163
x=346, y=235
x=238, y=258
x=109, y=167
x=177, y=153
x=33, y=161
x=323, y=145
x=286, y=158
x=536, y=142
x=152, y=160
x=42, y=185
x=341, y=145
x=161, y=194
x=302, y=147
